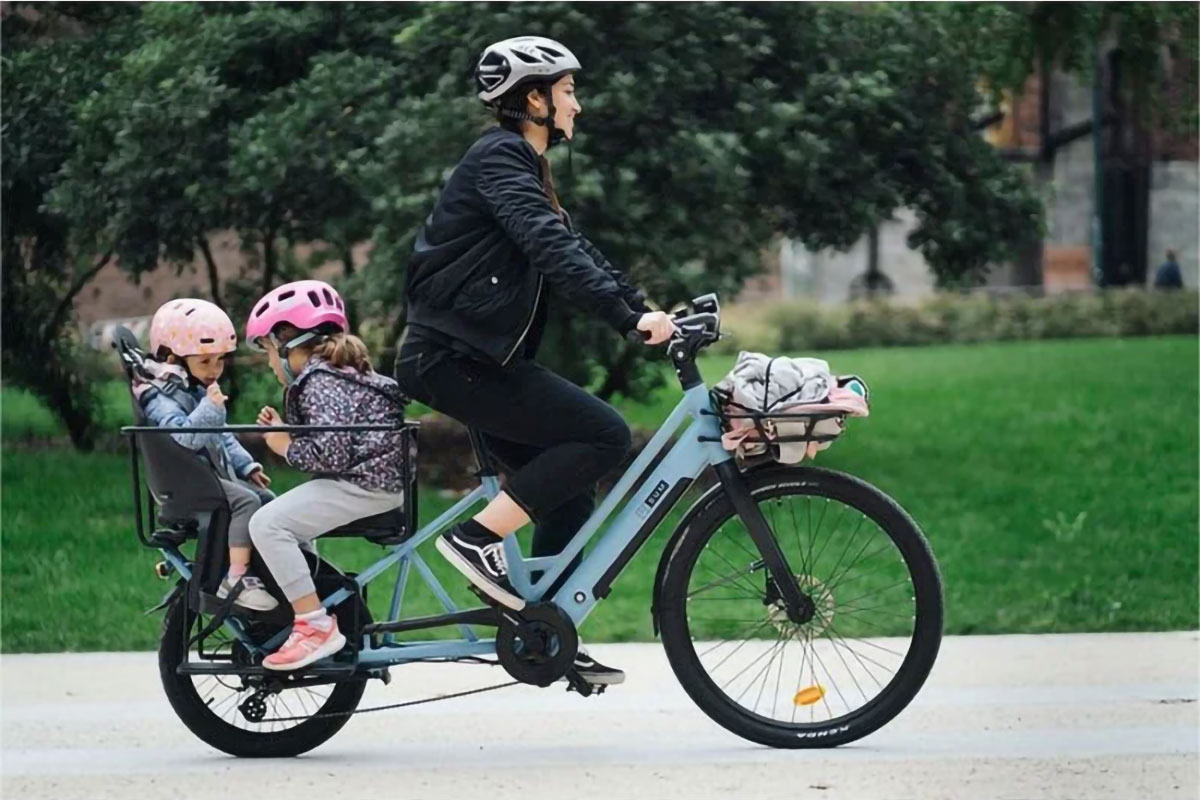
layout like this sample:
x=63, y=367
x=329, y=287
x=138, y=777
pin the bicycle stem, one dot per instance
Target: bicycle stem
x=799, y=605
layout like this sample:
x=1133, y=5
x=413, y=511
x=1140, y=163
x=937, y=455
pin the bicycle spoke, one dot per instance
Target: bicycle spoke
x=849, y=671
x=808, y=566
x=850, y=610
x=833, y=555
x=833, y=683
x=849, y=542
x=765, y=672
x=828, y=675
x=733, y=579
x=860, y=657
x=805, y=642
x=844, y=582
x=879, y=591
x=869, y=643
x=733, y=652
x=754, y=629
x=842, y=577
x=719, y=582
x=749, y=586
x=748, y=666
x=834, y=572
x=778, y=676
x=737, y=539
x=830, y=538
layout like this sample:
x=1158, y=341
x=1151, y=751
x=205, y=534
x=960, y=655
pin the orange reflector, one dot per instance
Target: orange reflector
x=806, y=697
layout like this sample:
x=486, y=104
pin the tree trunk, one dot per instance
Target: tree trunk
x=214, y=280
x=55, y=322
x=72, y=403
x=269, y=259
x=348, y=271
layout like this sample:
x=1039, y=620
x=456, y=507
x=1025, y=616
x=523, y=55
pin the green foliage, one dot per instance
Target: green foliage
x=1077, y=513
x=1158, y=45
x=806, y=326
x=707, y=130
x=43, y=78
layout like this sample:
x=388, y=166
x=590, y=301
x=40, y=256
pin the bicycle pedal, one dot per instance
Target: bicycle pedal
x=575, y=683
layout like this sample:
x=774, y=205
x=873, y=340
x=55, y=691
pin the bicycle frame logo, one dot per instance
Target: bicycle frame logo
x=656, y=494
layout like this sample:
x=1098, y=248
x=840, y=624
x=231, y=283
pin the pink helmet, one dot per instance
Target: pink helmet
x=190, y=327
x=303, y=304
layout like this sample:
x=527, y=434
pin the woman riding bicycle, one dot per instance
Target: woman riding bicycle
x=483, y=270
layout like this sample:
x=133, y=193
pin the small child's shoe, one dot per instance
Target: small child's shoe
x=307, y=643
x=254, y=595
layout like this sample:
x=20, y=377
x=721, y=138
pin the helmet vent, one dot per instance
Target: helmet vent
x=315, y=299
x=189, y=312
x=287, y=295
x=328, y=296
x=528, y=59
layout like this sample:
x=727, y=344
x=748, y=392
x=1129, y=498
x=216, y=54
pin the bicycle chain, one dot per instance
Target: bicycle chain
x=394, y=705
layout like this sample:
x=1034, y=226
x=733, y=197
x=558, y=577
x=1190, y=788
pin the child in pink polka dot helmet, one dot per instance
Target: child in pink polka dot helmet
x=190, y=339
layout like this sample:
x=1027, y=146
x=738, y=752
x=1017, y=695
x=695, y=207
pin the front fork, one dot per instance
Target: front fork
x=799, y=605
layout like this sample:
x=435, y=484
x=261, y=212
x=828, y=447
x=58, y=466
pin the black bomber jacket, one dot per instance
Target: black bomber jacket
x=494, y=246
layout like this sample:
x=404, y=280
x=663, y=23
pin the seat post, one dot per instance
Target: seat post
x=487, y=469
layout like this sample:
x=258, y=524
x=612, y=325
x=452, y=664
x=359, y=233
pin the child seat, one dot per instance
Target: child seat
x=188, y=495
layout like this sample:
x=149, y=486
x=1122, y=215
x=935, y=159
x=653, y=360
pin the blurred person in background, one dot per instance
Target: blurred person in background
x=1168, y=275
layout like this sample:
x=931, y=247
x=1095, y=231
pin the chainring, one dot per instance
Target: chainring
x=537, y=645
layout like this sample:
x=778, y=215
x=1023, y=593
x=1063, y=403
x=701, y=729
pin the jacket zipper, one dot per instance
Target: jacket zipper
x=532, y=313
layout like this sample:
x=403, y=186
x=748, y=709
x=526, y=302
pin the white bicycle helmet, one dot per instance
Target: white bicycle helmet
x=524, y=59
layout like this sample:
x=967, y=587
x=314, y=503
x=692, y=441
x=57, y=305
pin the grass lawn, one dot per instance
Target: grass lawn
x=1057, y=482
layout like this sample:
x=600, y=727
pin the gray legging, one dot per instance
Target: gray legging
x=244, y=501
x=280, y=528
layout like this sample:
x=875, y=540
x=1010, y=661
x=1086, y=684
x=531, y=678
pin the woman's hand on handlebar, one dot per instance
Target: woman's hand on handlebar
x=658, y=327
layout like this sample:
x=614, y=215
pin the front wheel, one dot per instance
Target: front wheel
x=836, y=677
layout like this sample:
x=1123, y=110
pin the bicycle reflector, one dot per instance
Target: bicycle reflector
x=806, y=697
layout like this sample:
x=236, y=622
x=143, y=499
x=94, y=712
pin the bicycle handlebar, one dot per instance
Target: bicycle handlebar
x=703, y=323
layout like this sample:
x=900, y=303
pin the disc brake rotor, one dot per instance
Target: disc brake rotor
x=824, y=607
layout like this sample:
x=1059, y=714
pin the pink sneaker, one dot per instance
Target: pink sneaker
x=306, y=645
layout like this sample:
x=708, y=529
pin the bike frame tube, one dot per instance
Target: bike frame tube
x=697, y=448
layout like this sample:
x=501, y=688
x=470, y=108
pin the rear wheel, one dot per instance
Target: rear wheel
x=248, y=716
x=838, y=676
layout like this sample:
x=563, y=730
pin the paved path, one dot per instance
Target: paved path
x=1073, y=716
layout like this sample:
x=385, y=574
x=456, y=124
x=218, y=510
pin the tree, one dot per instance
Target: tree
x=51, y=62
x=1142, y=62
x=1157, y=45
x=708, y=129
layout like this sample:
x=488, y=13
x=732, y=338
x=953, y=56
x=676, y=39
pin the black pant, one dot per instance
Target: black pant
x=554, y=439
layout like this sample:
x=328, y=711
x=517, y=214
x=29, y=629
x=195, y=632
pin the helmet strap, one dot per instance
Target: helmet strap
x=285, y=349
x=554, y=134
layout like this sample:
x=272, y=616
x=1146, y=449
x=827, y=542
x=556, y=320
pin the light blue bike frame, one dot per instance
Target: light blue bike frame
x=590, y=582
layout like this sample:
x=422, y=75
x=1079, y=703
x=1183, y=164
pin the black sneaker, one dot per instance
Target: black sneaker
x=482, y=562
x=596, y=673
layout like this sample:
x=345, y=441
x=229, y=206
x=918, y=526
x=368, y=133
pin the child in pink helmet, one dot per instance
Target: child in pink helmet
x=189, y=340
x=329, y=381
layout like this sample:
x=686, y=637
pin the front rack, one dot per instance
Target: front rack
x=721, y=404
